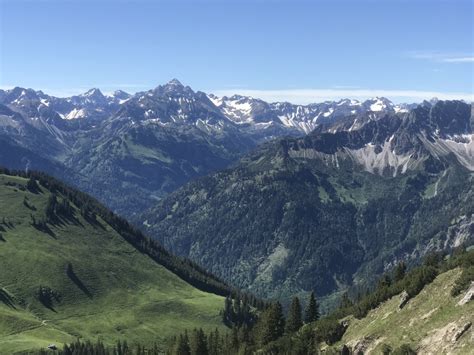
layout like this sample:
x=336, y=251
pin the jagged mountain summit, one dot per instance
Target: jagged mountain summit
x=174, y=102
x=393, y=145
x=36, y=104
x=131, y=150
x=303, y=118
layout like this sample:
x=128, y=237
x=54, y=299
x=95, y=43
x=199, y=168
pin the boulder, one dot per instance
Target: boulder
x=459, y=333
x=468, y=296
x=404, y=298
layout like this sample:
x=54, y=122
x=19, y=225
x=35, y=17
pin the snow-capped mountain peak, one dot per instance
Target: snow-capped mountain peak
x=174, y=82
x=93, y=93
x=120, y=94
x=175, y=104
x=378, y=104
x=304, y=118
x=217, y=101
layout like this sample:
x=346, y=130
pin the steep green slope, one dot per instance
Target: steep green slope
x=77, y=276
x=428, y=323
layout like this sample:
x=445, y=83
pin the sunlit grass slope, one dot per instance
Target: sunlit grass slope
x=101, y=286
x=428, y=323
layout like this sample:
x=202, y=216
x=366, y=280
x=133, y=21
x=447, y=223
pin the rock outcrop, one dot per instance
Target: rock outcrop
x=468, y=296
x=404, y=298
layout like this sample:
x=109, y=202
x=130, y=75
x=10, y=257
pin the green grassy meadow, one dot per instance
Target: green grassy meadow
x=116, y=292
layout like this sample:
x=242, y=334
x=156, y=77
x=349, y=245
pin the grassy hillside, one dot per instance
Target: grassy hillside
x=92, y=282
x=428, y=323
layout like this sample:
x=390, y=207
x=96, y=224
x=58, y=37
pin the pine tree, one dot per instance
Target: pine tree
x=272, y=324
x=294, y=322
x=228, y=315
x=198, y=343
x=237, y=309
x=31, y=185
x=345, y=350
x=384, y=282
x=234, y=338
x=51, y=208
x=312, y=311
x=182, y=346
x=214, y=343
x=125, y=348
x=278, y=320
x=119, y=350
x=345, y=301
x=400, y=271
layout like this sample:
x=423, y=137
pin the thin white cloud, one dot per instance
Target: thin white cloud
x=443, y=57
x=301, y=96
x=306, y=96
x=345, y=87
x=459, y=60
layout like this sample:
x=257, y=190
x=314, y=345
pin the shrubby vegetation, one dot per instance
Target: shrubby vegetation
x=466, y=261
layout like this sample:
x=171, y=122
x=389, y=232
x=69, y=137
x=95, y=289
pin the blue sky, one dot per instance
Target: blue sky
x=299, y=51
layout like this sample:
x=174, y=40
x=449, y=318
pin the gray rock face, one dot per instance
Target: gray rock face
x=459, y=333
x=404, y=298
x=468, y=296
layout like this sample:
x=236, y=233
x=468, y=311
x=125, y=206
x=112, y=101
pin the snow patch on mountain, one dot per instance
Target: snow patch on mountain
x=76, y=113
x=304, y=118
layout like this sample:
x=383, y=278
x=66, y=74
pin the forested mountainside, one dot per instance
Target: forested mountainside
x=331, y=210
x=131, y=150
x=69, y=269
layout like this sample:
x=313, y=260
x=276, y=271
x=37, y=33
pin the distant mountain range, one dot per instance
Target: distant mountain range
x=173, y=104
x=131, y=150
